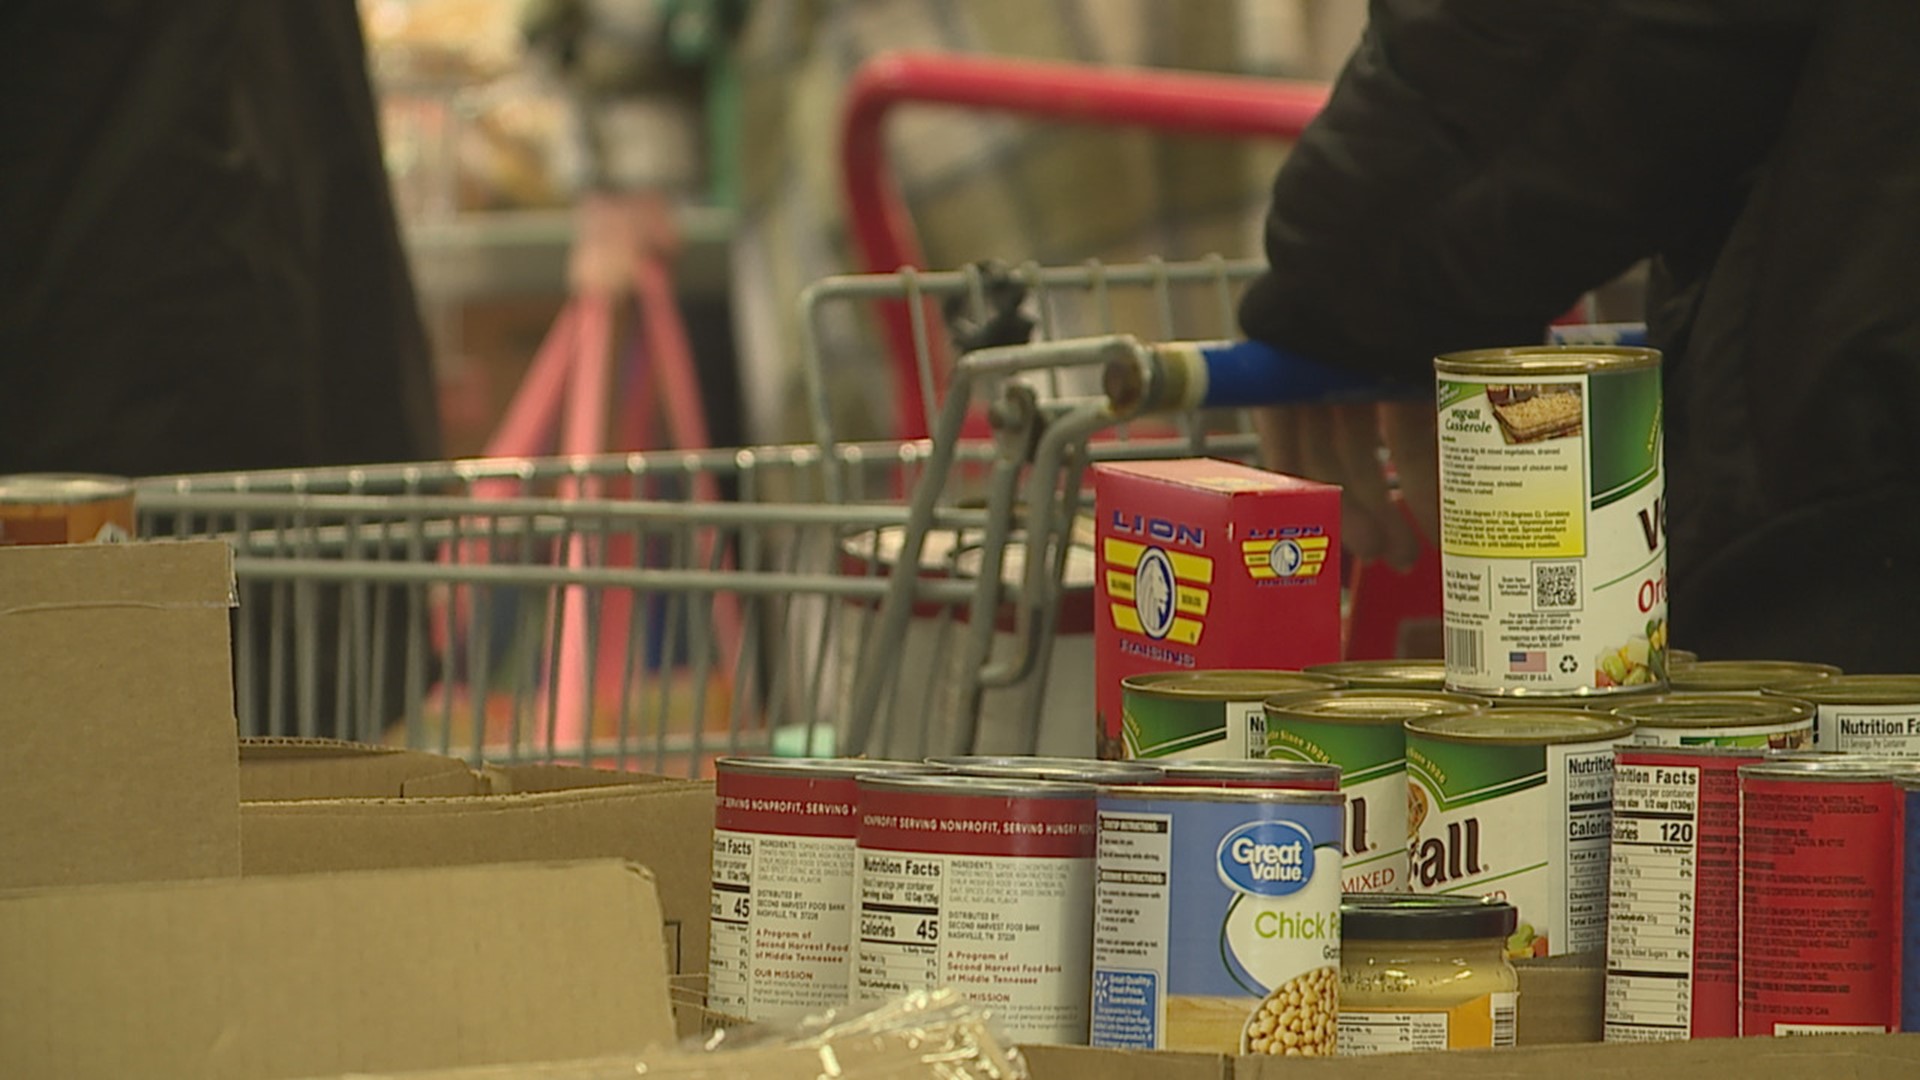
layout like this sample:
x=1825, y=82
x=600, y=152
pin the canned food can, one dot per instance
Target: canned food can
x=65, y=508
x=1362, y=732
x=1684, y=719
x=1746, y=676
x=980, y=884
x=1277, y=775
x=1210, y=714
x=1552, y=520
x=1820, y=845
x=782, y=924
x=1483, y=789
x=1217, y=925
x=1673, y=912
x=1910, y=902
x=1386, y=674
x=1863, y=714
x=1679, y=658
x=1062, y=770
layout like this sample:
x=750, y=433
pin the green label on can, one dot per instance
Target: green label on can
x=1373, y=774
x=1154, y=726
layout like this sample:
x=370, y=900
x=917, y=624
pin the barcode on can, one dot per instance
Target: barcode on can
x=1463, y=650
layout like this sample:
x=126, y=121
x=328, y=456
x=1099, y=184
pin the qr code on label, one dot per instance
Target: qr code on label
x=1556, y=586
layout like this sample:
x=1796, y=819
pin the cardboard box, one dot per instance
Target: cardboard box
x=319, y=975
x=1208, y=565
x=281, y=769
x=117, y=714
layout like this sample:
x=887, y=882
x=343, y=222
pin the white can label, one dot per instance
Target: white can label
x=1553, y=533
x=780, y=924
x=1476, y=813
x=1654, y=903
x=1887, y=730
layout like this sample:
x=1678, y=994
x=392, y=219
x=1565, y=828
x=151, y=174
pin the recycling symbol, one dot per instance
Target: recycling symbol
x=1568, y=664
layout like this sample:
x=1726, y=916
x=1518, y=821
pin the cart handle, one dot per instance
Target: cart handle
x=1182, y=376
x=1185, y=102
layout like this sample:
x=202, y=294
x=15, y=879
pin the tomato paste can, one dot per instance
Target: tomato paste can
x=981, y=884
x=1277, y=775
x=1553, y=537
x=1363, y=732
x=1063, y=770
x=1745, y=720
x=782, y=923
x=1820, y=861
x=1863, y=714
x=1746, y=676
x=1386, y=674
x=1517, y=804
x=1673, y=910
x=1210, y=714
x=1217, y=925
x=65, y=508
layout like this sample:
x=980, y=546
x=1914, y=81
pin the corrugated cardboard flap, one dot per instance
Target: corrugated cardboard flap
x=323, y=974
x=275, y=769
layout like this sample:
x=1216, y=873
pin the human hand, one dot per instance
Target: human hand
x=1353, y=446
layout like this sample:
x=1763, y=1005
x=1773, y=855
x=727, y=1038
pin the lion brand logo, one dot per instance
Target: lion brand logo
x=1266, y=858
x=1285, y=554
x=1154, y=593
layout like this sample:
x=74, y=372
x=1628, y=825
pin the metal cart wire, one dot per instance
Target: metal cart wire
x=897, y=598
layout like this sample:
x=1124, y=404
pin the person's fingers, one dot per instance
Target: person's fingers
x=1367, y=504
x=1271, y=427
x=1412, y=439
x=1319, y=455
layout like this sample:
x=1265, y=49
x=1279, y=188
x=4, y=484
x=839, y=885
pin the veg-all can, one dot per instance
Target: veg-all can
x=1820, y=861
x=1909, y=784
x=1863, y=714
x=1517, y=804
x=1673, y=913
x=1744, y=720
x=1386, y=674
x=65, y=508
x=1552, y=520
x=1064, y=770
x=1276, y=775
x=1746, y=676
x=1363, y=732
x=983, y=885
x=1217, y=924
x=783, y=883
x=1208, y=714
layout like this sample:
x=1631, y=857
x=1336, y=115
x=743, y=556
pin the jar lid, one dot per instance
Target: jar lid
x=1404, y=917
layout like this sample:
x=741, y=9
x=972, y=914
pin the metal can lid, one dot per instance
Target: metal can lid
x=1234, y=685
x=1529, y=360
x=1681, y=657
x=1695, y=750
x=1387, y=674
x=1188, y=769
x=1368, y=706
x=62, y=487
x=1528, y=727
x=844, y=768
x=1854, y=690
x=1841, y=768
x=1053, y=769
x=1746, y=675
x=1699, y=710
x=1201, y=793
x=1012, y=787
x=1407, y=917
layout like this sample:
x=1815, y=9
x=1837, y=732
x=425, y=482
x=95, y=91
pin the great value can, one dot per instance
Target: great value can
x=1363, y=732
x=1386, y=674
x=1863, y=714
x=1278, y=775
x=1210, y=714
x=1682, y=719
x=1746, y=676
x=1216, y=923
x=1517, y=804
x=1065, y=770
x=65, y=508
x=1552, y=520
x=1673, y=912
x=980, y=884
x=1910, y=902
x=782, y=925
x=1820, y=863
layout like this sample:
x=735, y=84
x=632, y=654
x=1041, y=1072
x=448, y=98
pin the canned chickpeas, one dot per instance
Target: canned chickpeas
x=1210, y=714
x=1278, y=775
x=1684, y=719
x=1863, y=714
x=65, y=508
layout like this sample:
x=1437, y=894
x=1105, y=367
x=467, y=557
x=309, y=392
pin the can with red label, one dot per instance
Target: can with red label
x=782, y=924
x=1673, y=912
x=1820, y=866
x=984, y=885
x=1265, y=775
x=1062, y=769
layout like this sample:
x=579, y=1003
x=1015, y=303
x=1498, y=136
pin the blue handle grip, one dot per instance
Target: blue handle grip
x=1246, y=373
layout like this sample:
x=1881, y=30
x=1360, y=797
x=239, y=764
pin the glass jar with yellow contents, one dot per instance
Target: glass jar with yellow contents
x=1425, y=973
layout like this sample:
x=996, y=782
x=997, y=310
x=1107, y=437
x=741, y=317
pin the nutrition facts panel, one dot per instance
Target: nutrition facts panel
x=1655, y=889
x=899, y=929
x=779, y=931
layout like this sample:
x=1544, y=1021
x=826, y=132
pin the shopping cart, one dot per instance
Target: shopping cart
x=430, y=604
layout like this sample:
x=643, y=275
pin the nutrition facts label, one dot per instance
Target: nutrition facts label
x=1656, y=863
x=1589, y=779
x=1481, y=1023
x=1870, y=729
x=780, y=926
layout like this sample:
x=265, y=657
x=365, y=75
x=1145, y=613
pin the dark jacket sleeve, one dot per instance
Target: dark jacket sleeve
x=1482, y=163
